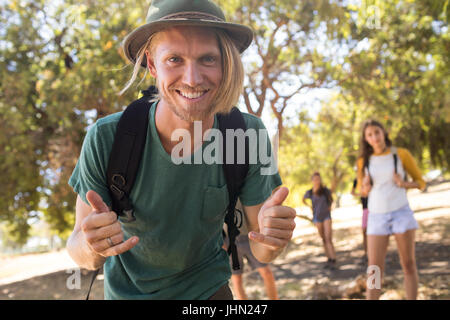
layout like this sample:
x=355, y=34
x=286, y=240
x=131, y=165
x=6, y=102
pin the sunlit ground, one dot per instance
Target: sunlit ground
x=298, y=271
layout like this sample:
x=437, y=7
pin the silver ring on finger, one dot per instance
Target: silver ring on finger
x=111, y=243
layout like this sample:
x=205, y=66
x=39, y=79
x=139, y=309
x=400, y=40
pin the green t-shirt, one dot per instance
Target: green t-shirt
x=179, y=212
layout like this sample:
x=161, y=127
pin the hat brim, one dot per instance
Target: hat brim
x=241, y=35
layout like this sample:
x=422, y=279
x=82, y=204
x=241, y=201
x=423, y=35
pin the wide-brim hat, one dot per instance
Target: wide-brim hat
x=168, y=13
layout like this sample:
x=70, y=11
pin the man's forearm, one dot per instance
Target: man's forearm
x=80, y=252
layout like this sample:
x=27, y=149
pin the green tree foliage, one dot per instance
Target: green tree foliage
x=61, y=67
x=291, y=52
x=57, y=61
x=396, y=70
x=401, y=68
x=327, y=143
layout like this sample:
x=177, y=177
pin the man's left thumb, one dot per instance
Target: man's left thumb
x=277, y=198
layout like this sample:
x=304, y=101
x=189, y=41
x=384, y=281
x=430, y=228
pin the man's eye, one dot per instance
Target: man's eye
x=174, y=59
x=209, y=59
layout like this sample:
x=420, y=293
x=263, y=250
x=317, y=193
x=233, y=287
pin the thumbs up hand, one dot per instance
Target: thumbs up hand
x=102, y=230
x=276, y=222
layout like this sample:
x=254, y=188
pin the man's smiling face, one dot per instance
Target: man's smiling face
x=187, y=64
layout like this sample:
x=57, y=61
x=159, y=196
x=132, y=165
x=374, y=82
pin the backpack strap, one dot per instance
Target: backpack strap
x=396, y=159
x=129, y=143
x=395, y=155
x=150, y=92
x=235, y=175
x=94, y=276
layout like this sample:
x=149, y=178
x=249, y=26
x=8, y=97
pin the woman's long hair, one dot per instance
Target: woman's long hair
x=365, y=149
x=321, y=189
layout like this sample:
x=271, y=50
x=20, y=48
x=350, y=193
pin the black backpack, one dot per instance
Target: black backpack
x=126, y=153
x=395, y=158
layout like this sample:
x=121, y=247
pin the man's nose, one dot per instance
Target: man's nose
x=192, y=75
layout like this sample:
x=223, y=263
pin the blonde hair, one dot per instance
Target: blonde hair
x=232, y=82
x=140, y=56
x=231, y=85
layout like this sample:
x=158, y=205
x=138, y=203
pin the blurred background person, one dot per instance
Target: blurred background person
x=321, y=200
x=381, y=177
x=365, y=213
x=244, y=251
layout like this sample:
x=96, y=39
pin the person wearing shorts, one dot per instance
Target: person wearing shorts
x=381, y=177
x=394, y=222
x=321, y=201
x=365, y=215
x=244, y=251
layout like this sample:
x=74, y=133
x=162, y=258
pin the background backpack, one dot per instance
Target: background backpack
x=395, y=158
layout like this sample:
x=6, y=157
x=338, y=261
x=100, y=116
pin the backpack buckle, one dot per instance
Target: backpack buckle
x=117, y=192
x=119, y=180
x=127, y=216
x=238, y=218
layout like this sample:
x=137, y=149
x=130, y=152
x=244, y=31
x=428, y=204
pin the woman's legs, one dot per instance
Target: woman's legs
x=364, y=259
x=320, y=229
x=365, y=218
x=406, y=251
x=364, y=232
x=376, y=249
x=269, y=282
x=328, y=234
x=238, y=288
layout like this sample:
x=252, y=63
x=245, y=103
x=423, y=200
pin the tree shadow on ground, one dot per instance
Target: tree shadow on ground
x=300, y=276
x=56, y=285
x=299, y=271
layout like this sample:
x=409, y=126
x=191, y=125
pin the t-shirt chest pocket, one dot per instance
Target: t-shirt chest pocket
x=215, y=202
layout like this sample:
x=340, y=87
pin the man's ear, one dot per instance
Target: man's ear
x=150, y=64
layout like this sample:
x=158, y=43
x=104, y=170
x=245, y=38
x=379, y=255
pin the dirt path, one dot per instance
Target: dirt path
x=32, y=265
x=298, y=271
x=300, y=274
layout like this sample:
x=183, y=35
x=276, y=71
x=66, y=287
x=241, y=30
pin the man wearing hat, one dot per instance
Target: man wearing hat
x=173, y=248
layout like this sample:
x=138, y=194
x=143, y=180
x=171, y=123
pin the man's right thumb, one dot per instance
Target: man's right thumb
x=96, y=201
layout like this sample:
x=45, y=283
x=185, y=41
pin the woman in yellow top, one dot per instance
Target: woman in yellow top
x=380, y=178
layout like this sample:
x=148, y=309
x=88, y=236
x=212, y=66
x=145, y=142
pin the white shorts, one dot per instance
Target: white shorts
x=398, y=221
